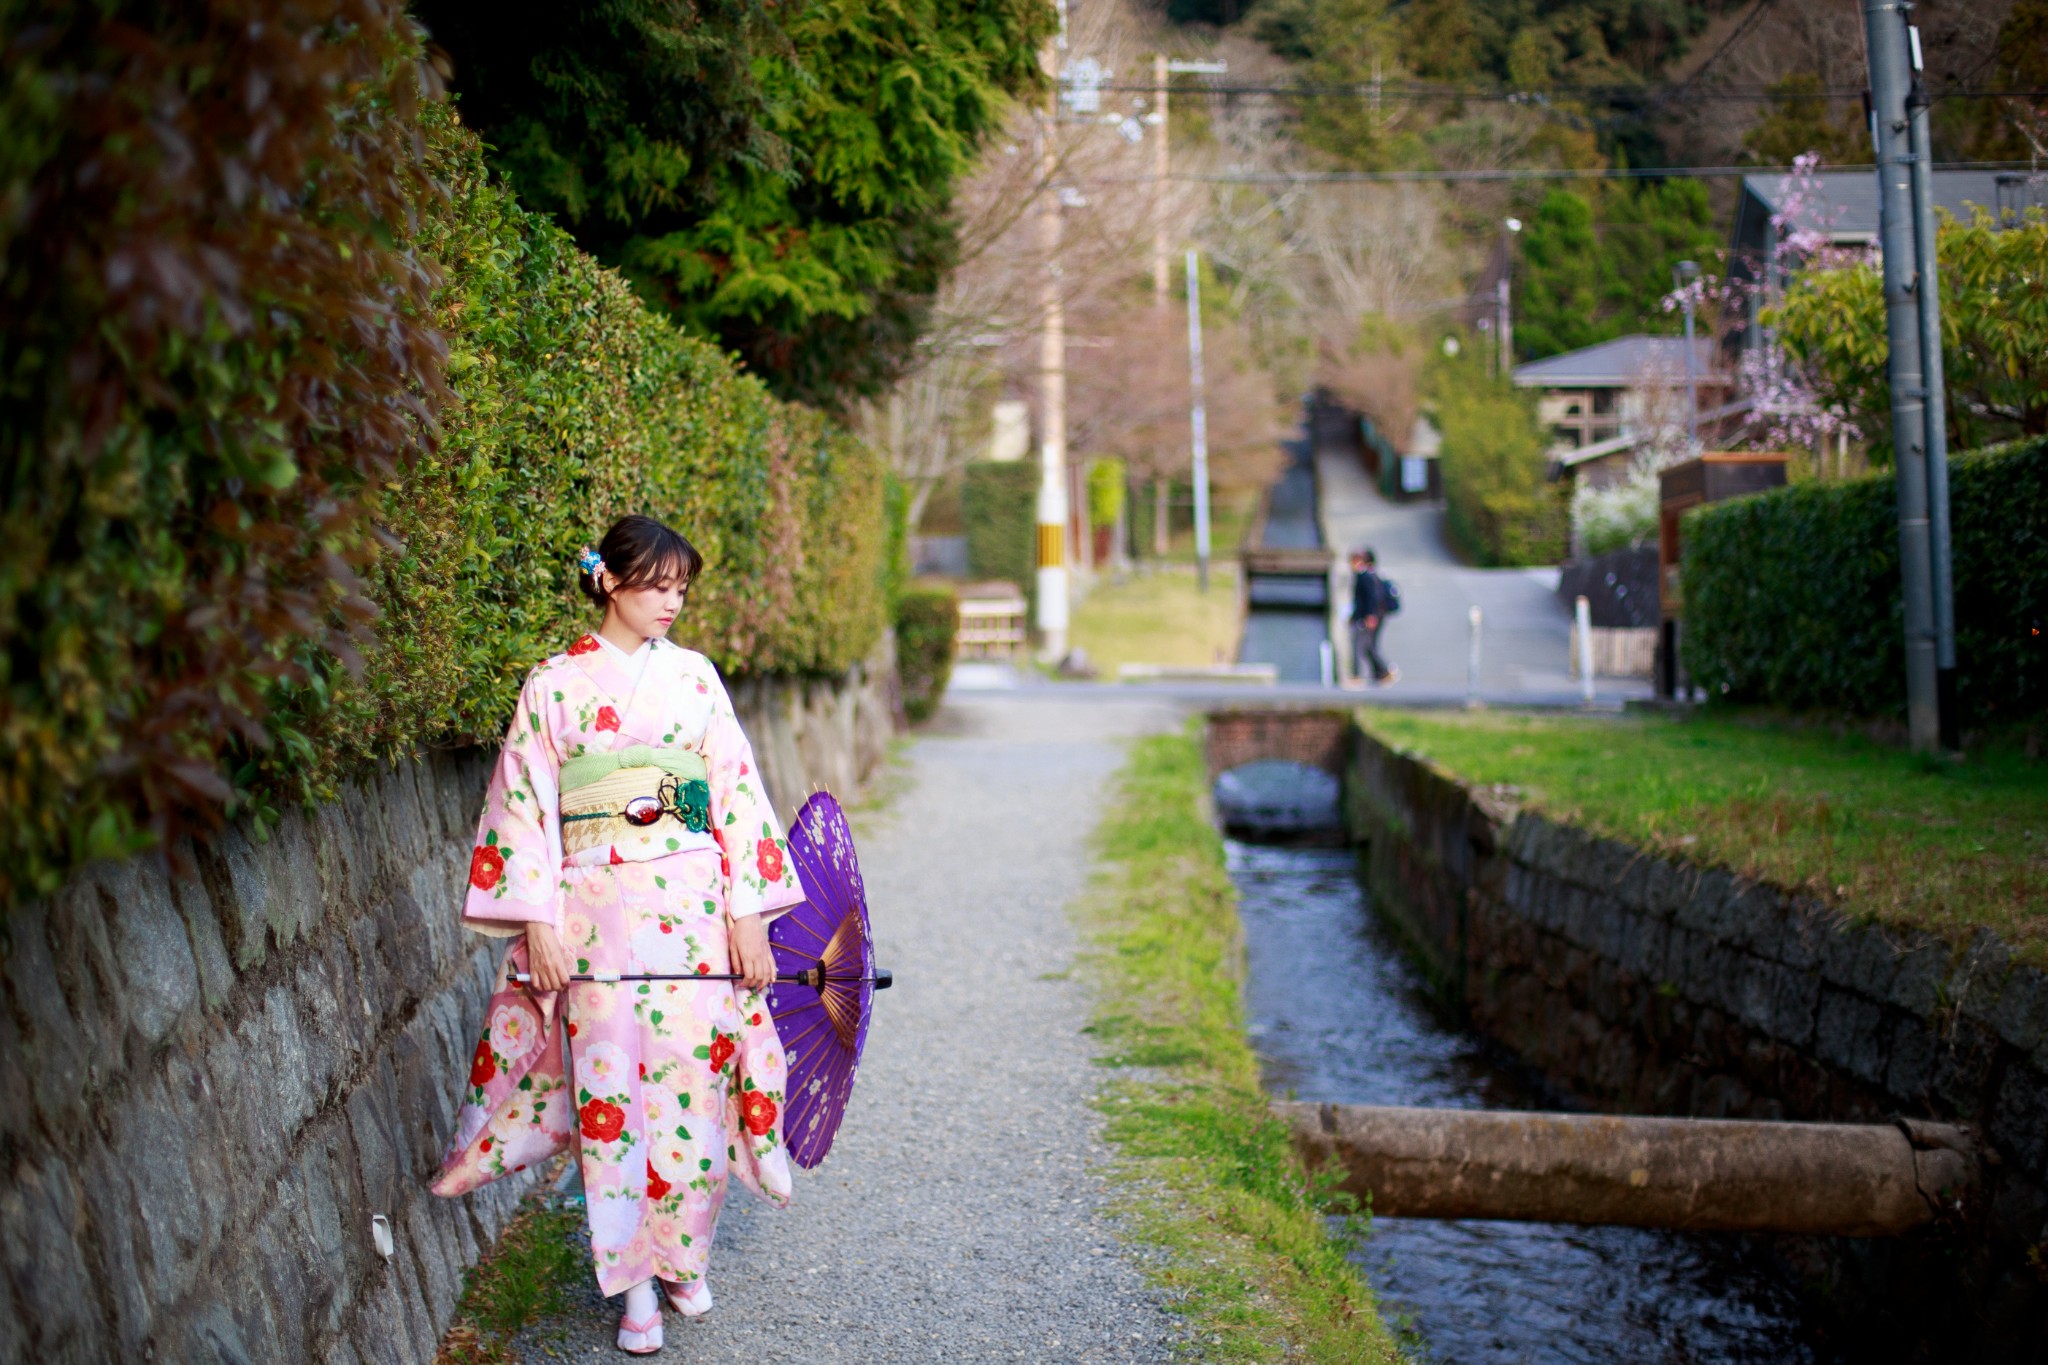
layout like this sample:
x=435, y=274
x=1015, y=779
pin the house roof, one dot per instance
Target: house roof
x=1844, y=203
x=1624, y=362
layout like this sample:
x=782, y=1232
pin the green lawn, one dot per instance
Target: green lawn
x=1160, y=617
x=1946, y=845
x=1209, y=1176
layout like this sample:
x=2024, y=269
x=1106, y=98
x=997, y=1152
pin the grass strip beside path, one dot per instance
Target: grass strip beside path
x=1209, y=1177
x=1946, y=845
x=535, y=1272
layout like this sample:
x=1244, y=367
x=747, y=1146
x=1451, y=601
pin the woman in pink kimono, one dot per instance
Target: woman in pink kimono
x=626, y=832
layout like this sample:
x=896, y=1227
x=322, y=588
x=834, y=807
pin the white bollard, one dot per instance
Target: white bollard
x=1584, y=613
x=1472, y=701
x=1329, y=665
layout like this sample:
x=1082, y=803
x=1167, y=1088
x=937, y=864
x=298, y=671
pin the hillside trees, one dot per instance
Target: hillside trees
x=1799, y=121
x=778, y=177
x=2014, y=128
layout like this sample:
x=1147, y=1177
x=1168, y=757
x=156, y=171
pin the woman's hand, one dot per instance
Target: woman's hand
x=751, y=959
x=546, y=958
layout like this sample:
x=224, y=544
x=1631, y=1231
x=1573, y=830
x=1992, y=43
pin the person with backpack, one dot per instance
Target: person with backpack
x=1373, y=600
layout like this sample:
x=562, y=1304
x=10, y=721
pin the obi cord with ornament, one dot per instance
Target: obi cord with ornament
x=627, y=813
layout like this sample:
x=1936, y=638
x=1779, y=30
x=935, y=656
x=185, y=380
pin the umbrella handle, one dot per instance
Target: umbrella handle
x=815, y=977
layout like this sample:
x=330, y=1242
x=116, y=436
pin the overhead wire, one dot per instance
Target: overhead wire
x=1418, y=92
x=1510, y=173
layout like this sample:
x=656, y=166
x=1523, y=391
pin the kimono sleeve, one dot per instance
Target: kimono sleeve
x=759, y=876
x=516, y=868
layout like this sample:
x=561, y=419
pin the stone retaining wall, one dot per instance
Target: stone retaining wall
x=213, y=1078
x=1645, y=985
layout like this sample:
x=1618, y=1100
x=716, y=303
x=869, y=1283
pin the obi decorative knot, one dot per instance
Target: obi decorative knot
x=608, y=797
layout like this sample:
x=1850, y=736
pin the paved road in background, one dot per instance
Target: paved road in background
x=1526, y=632
x=960, y=1216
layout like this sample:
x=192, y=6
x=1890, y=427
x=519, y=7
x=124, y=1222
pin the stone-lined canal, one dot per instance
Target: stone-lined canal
x=1338, y=1014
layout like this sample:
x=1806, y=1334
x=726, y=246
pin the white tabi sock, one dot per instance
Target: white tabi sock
x=640, y=1301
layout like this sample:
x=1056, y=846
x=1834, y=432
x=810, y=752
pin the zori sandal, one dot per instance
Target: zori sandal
x=642, y=1338
x=692, y=1300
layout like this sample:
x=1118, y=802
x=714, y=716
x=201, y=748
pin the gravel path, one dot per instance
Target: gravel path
x=959, y=1217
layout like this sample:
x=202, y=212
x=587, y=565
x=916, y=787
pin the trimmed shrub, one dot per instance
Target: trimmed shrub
x=197, y=621
x=927, y=619
x=999, y=503
x=1497, y=506
x=1105, y=493
x=1792, y=597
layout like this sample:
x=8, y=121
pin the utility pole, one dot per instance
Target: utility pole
x=1500, y=326
x=1164, y=69
x=1884, y=23
x=1052, y=390
x=1161, y=165
x=1928, y=296
x=1199, y=419
x=1507, y=322
x=1682, y=275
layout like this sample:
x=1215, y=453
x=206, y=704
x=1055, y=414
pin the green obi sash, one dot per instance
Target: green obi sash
x=607, y=796
x=585, y=769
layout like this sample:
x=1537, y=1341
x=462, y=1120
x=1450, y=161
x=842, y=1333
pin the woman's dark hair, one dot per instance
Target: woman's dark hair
x=638, y=551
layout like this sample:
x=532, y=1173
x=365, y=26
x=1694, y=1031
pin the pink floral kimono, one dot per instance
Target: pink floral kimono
x=675, y=1085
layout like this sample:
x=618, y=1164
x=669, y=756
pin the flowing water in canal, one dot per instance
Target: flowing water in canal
x=1338, y=1014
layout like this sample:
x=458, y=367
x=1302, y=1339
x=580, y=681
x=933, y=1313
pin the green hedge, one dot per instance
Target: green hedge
x=999, y=504
x=567, y=404
x=575, y=405
x=927, y=620
x=1792, y=597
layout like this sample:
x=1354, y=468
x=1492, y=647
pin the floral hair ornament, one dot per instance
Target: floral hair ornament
x=591, y=562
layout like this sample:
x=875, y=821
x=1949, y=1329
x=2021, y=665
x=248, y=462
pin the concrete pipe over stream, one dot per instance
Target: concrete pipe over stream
x=1696, y=1175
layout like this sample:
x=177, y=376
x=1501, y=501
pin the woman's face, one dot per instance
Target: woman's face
x=650, y=609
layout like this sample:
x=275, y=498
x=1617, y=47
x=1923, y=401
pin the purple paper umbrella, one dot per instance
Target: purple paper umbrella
x=826, y=939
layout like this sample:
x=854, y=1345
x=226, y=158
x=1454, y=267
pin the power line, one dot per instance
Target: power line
x=1417, y=92
x=1529, y=173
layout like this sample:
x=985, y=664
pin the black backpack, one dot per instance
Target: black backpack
x=1390, y=597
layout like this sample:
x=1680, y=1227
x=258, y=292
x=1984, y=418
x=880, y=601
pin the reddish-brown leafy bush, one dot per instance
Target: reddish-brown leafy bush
x=215, y=356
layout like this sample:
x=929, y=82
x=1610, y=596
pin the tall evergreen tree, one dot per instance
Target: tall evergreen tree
x=778, y=176
x=1650, y=227
x=1558, y=294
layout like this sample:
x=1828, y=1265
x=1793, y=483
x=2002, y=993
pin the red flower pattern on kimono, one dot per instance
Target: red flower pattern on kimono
x=757, y=1111
x=486, y=865
x=722, y=1048
x=586, y=645
x=607, y=719
x=657, y=1188
x=768, y=859
x=603, y=1121
x=482, y=1066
